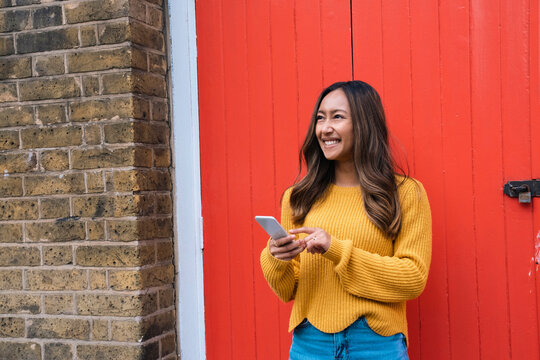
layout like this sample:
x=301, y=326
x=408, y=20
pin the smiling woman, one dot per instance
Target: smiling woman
x=365, y=229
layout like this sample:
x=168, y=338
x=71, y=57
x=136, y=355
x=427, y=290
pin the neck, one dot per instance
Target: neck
x=345, y=174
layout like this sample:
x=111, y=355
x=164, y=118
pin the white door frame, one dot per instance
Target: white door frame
x=180, y=23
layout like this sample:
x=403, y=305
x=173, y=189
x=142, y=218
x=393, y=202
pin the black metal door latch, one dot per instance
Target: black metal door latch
x=523, y=190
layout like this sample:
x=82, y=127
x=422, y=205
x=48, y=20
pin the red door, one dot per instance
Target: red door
x=459, y=80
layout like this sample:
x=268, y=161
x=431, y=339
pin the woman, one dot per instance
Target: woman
x=366, y=232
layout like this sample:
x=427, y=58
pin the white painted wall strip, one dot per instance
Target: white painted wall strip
x=187, y=180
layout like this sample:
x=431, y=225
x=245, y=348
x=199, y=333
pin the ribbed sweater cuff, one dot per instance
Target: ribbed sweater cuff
x=271, y=264
x=335, y=251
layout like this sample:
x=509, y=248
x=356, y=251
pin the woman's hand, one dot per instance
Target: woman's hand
x=286, y=248
x=317, y=241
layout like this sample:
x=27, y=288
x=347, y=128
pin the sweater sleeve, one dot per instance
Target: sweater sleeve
x=281, y=275
x=394, y=278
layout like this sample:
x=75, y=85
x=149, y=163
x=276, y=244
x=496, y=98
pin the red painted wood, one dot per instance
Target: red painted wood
x=515, y=112
x=460, y=83
x=487, y=146
x=434, y=339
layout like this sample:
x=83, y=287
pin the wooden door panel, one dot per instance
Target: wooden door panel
x=459, y=81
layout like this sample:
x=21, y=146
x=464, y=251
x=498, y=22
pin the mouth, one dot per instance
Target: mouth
x=330, y=142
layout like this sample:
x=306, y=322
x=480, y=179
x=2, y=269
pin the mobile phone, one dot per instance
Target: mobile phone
x=272, y=227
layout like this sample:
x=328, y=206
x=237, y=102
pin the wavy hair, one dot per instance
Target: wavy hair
x=372, y=157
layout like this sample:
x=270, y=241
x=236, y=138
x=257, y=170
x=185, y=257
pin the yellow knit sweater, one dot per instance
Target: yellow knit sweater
x=363, y=273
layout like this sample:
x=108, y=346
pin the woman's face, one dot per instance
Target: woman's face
x=334, y=128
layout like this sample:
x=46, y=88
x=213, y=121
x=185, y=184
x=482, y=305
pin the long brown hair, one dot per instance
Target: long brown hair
x=372, y=157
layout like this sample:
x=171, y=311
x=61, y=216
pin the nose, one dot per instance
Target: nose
x=327, y=128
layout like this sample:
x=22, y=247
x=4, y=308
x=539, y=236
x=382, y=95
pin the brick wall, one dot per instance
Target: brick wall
x=86, y=254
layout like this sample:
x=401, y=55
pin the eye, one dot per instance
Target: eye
x=319, y=117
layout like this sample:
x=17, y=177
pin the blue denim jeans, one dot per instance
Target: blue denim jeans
x=357, y=341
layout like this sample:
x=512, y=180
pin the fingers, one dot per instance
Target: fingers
x=294, y=249
x=283, y=240
x=306, y=230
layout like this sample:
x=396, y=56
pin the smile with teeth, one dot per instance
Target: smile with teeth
x=331, y=142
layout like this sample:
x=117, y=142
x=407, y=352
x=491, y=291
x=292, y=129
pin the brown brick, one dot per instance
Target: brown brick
x=60, y=230
x=92, y=135
x=50, y=114
x=141, y=229
x=11, y=327
x=7, y=46
x=150, y=84
x=54, y=208
x=157, y=63
x=168, y=345
x=155, y=17
x=96, y=230
x=57, y=351
x=96, y=10
x=11, y=233
x=163, y=204
x=91, y=85
x=94, y=182
x=118, y=83
x=18, y=209
x=100, y=352
x=54, y=160
x=51, y=137
x=59, y=304
x=27, y=350
x=137, y=10
x=105, y=158
x=109, y=206
x=118, y=58
x=19, y=256
x=114, y=256
x=46, y=280
x=147, y=36
x=47, y=40
x=12, y=163
x=88, y=35
x=16, y=116
x=49, y=65
x=95, y=110
x=57, y=88
x=164, y=251
x=8, y=92
x=141, y=279
x=47, y=16
x=136, y=132
x=57, y=255
x=98, y=279
x=10, y=186
x=166, y=298
x=14, y=20
x=127, y=331
x=162, y=158
x=139, y=180
x=59, y=328
x=55, y=184
x=10, y=280
x=114, y=33
x=116, y=305
x=19, y=304
x=100, y=330
x=15, y=68
x=156, y=2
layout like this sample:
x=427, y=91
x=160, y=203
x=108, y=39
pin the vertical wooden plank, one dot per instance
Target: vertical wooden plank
x=367, y=43
x=213, y=161
x=434, y=323
x=263, y=195
x=517, y=165
x=534, y=84
x=397, y=79
x=284, y=92
x=457, y=160
x=487, y=152
x=238, y=183
x=336, y=40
